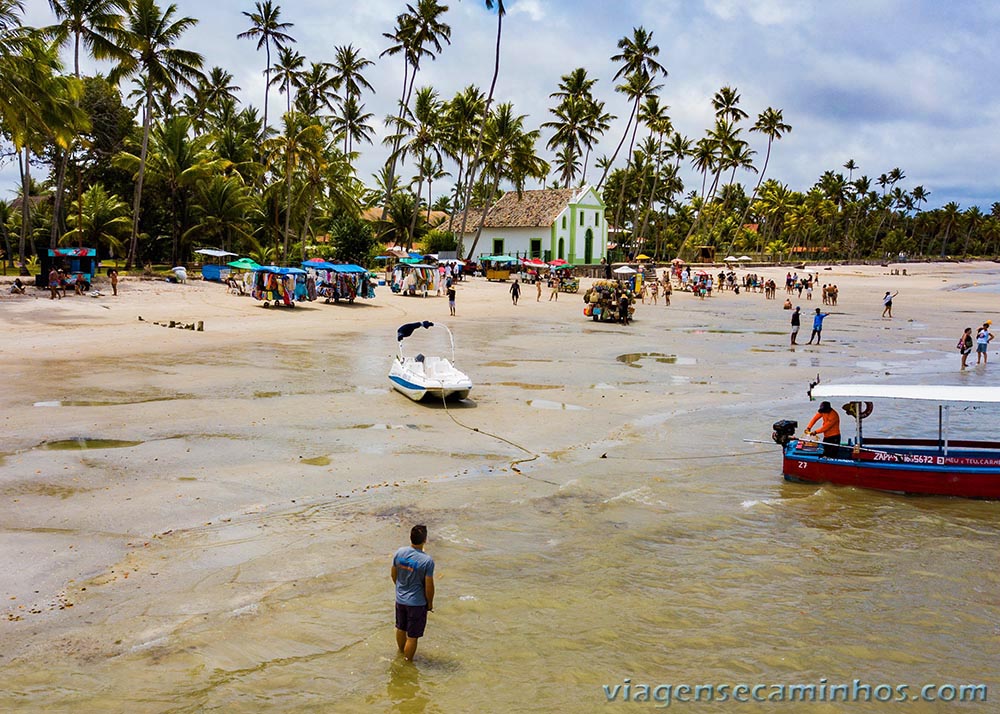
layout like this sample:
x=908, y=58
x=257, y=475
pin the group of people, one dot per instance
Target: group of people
x=981, y=343
x=817, y=328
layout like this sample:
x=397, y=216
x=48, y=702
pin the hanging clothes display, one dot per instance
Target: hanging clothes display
x=276, y=285
x=418, y=279
x=340, y=281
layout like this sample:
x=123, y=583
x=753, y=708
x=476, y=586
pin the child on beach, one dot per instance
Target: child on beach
x=451, y=299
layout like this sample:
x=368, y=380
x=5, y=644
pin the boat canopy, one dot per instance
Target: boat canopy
x=914, y=392
x=404, y=331
x=215, y=253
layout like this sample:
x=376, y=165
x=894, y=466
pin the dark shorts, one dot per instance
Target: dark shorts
x=980, y=347
x=412, y=619
x=831, y=446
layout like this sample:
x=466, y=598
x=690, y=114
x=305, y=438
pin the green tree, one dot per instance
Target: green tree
x=268, y=30
x=149, y=34
x=222, y=208
x=98, y=218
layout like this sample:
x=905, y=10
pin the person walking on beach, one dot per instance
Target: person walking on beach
x=887, y=302
x=555, y=288
x=451, y=299
x=830, y=428
x=668, y=290
x=817, y=332
x=983, y=338
x=54, y=284
x=413, y=574
x=515, y=291
x=795, y=324
x=114, y=281
x=538, y=286
x=965, y=345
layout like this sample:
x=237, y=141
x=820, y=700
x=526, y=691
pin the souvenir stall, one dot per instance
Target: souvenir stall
x=567, y=283
x=602, y=302
x=414, y=279
x=346, y=282
x=282, y=286
x=213, y=269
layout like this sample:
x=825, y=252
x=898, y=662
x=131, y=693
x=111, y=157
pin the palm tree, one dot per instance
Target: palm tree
x=317, y=90
x=287, y=73
x=477, y=152
x=214, y=90
x=352, y=122
x=771, y=124
x=91, y=23
x=850, y=166
x=150, y=34
x=222, y=207
x=950, y=218
x=463, y=117
x=416, y=31
x=638, y=57
x=347, y=66
x=973, y=220
x=420, y=135
x=97, y=218
x=267, y=30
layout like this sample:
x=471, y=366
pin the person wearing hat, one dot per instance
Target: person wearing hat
x=830, y=428
x=983, y=338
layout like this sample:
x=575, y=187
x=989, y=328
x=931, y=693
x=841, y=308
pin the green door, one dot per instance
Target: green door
x=588, y=248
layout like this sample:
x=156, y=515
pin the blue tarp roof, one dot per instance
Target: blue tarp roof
x=280, y=271
x=318, y=265
x=349, y=268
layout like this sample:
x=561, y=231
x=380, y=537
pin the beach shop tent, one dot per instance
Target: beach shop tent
x=215, y=271
x=275, y=284
x=624, y=270
x=243, y=264
x=74, y=261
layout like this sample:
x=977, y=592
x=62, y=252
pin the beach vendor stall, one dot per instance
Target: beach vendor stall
x=497, y=266
x=336, y=281
x=277, y=285
x=567, y=283
x=212, y=268
x=414, y=279
x=604, y=300
x=240, y=279
x=79, y=265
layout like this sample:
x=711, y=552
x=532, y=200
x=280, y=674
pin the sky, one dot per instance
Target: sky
x=888, y=83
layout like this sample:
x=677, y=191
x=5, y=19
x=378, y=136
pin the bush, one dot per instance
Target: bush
x=438, y=241
x=353, y=240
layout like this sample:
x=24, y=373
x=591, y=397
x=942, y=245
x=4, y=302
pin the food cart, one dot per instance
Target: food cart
x=567, y=283
x=497, y=266
x=79, y=264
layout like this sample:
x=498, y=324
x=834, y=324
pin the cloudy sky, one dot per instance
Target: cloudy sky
x=887, y=83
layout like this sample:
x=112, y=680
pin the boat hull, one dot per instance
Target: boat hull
x=410, y=386
x=966, y=474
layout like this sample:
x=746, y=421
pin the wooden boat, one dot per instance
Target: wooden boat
x=944, y=466
x=427, y=376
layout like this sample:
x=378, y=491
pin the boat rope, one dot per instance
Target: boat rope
x=694, y=458
x=513, y=464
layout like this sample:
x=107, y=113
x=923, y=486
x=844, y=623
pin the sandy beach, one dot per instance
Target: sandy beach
x=203, y=521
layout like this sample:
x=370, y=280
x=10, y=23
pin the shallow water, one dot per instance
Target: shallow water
x=647, y=542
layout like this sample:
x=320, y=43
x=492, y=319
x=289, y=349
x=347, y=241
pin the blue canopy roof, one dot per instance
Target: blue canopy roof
x=280, y=271
x=349, y=268
x=318, y=265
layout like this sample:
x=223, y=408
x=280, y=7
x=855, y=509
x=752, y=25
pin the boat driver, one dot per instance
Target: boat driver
x=830, y=429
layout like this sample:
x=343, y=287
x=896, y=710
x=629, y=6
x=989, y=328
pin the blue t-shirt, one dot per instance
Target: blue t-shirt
x=818, y=321
x=412, y=566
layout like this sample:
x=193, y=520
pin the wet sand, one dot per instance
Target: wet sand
x=222, y=541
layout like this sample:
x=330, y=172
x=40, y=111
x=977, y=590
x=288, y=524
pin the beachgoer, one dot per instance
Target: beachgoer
x=555, y=288
x=54, y=284
x=654, y=291
x=17, y=288
x=830, y=428
x=114, y=281
x=795, y=325
x=817, y=326
x=787, y=305
x=538, y=286
x=451, y=299
x=413, y=574
x=668, y=290
x=887, y=302
x=623, y=303
x=965, y=345
x=983, y=338
x=515, y=291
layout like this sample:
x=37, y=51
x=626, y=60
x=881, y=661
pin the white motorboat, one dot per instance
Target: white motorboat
x=427, y=376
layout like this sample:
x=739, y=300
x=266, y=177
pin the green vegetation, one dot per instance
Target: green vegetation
x=159, y=156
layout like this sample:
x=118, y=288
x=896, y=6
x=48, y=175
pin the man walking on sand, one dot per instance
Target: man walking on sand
x=413, y=574
x=887, y=301
x=795, y=325
x=817, y=326
x=515, y=291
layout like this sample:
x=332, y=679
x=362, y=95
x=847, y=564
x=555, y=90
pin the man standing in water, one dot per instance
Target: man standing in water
x=413, y=573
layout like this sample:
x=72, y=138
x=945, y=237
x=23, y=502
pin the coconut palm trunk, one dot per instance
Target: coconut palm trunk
x=479, y=141
x=25, y=204
x=137, y=198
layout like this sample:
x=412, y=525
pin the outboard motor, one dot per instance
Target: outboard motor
x=784, y=430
